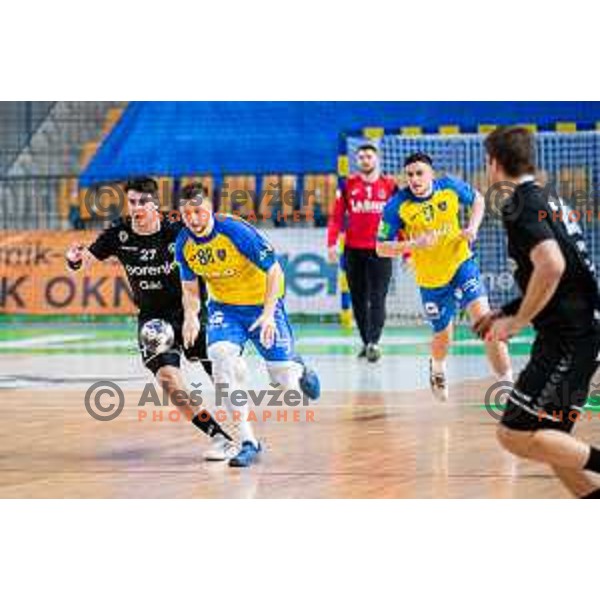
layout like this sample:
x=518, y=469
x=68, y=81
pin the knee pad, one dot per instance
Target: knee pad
x=228, y=365
x=286, y=374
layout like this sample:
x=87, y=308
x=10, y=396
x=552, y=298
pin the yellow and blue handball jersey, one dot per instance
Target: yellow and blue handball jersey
x=440, y=212
x=233, y=260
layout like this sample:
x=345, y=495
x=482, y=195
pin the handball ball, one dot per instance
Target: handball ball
x=157, y=336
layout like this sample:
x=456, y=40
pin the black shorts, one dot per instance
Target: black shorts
x=553, y=388
x=172, y=358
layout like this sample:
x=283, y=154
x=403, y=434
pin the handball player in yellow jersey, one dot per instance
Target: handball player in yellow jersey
x=427, y=212
x=245, y=284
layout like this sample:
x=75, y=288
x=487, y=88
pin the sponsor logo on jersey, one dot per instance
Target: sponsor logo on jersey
x=149, y=270
x=219, y=274
x=366, y=206
x=123, y=236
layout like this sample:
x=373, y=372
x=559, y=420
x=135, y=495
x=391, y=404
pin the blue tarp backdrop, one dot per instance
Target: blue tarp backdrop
x=201, y=138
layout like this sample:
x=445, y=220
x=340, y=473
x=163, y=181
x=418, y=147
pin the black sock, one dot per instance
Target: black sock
x=595, y=495
x=205, y=422
x=593, y=462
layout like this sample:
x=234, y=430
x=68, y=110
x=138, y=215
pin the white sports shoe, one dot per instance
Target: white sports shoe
x=439, y=385
x=221, y=449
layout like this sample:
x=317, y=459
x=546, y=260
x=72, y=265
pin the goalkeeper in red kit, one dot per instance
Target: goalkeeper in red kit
x=359, y=203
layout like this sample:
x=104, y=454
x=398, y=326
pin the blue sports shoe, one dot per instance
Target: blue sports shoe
x=309, y=383
x=246, y=456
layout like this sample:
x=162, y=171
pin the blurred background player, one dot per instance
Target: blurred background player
x=427, y=211
x=144, y=243
x=561, y=299
x=246, y=286
x=359, y=204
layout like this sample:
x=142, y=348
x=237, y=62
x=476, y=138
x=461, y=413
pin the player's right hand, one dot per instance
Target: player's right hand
x=332, y=255
x=191, y=330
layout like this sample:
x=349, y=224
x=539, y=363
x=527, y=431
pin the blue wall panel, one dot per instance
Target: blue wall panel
x=194, y=138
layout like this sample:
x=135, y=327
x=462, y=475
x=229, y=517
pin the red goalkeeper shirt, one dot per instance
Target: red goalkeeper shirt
x=359, y=205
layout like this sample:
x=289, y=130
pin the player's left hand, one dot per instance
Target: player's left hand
x=469, y=234
x=504, y=328
x=268, y=329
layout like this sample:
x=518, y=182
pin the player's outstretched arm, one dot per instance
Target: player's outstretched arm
x=191, y=309
x=78, y=257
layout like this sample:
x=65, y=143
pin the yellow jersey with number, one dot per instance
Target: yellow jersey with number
x=233, y=260
x=436, y=265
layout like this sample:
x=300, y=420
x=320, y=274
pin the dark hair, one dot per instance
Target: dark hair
x=191, y=191
x=513, y=148
x=418, y=157
x=145, y=185
x=368, y=146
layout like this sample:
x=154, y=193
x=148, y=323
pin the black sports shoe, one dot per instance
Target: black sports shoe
x=362, y=353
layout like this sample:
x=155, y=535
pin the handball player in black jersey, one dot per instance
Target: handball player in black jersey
x=560, y=299
x=144, y=243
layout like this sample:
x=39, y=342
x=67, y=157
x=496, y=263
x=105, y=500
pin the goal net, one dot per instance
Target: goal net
x=568, y=162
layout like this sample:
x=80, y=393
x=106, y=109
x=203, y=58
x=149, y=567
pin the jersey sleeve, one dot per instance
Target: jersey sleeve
x=391, y=224
x=253, y=245
x=465, y=192
x=528, y=230
x=185, y=272
x=105, y=245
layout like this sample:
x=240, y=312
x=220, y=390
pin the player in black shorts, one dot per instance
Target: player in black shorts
x=144, y=243
x=561, y=300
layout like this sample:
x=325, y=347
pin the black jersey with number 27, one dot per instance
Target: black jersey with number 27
x=149, y=262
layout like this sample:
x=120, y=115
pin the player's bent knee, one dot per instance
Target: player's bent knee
x=478, y=308
x=519, y=443
x=220, y=351
x=228, y=366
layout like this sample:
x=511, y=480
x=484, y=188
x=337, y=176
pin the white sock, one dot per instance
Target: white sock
x=247, y=433
x=508, y=376
x=438, y=366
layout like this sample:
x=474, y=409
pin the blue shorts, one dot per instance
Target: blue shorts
x=439, y=304
x=231, y=323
